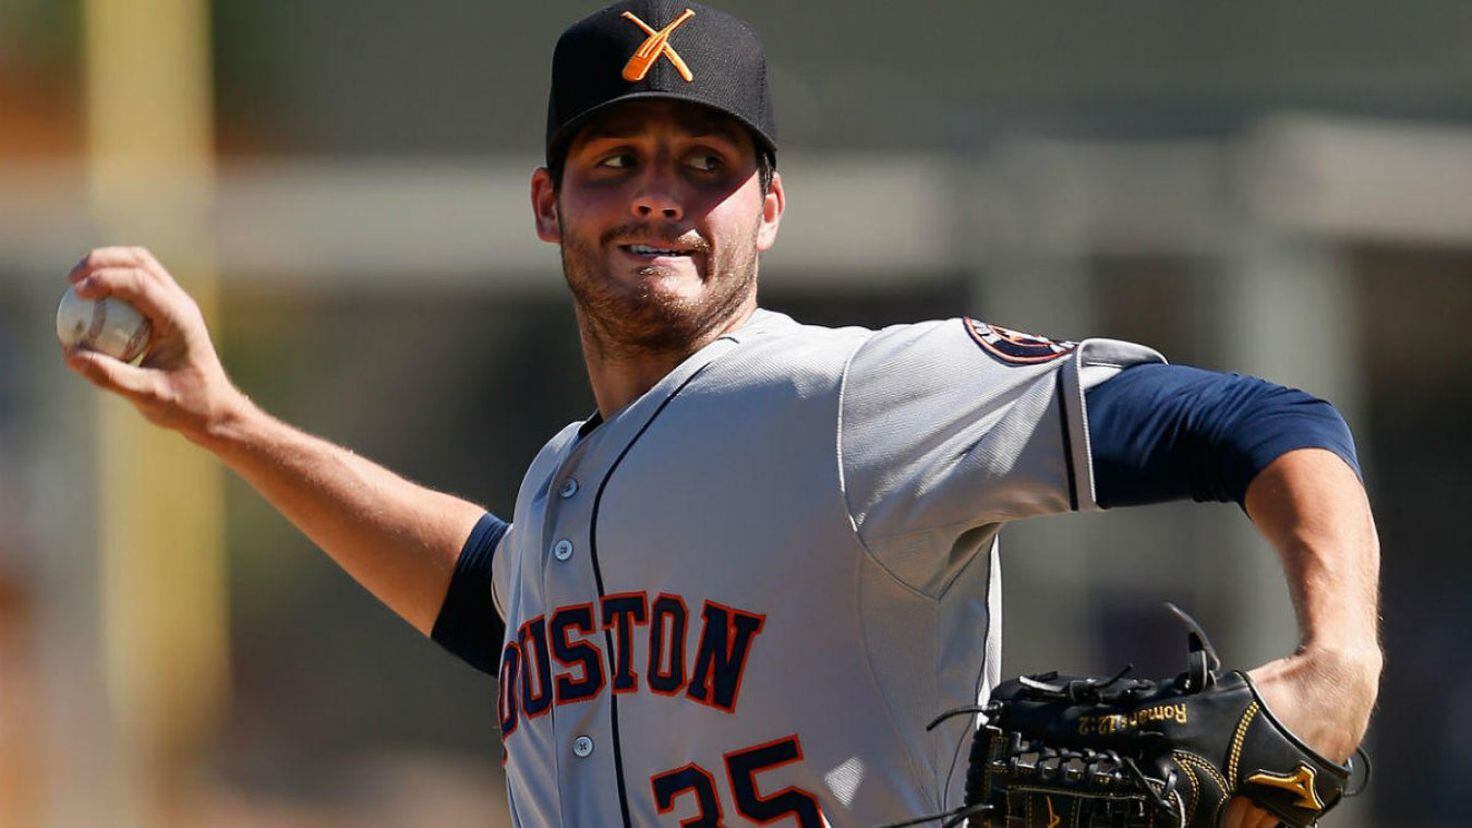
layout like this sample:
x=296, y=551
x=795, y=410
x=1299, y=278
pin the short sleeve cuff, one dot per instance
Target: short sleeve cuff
x=467, y=624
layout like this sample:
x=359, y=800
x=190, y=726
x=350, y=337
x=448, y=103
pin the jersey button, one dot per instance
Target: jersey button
x=569, y=488
x=562, y=550
x=582, y=746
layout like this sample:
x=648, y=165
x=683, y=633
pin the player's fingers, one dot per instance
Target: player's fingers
x=124, y=257
x=108, y=257
x=112, y=374
x=1264, y=819
x=1242, y=813
x=135, y=286
x=1236, y=814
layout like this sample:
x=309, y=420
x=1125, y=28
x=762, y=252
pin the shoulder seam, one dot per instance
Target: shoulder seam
x=853, y=524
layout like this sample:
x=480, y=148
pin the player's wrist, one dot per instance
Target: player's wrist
x=225, y=422
x=1360, y=653
x=1353, y=666
x=1327, y=693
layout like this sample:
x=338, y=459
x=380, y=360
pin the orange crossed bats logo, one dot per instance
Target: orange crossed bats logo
x=658, y=43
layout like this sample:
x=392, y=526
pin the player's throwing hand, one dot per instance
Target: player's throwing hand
x=397, y=538
x=180, y=384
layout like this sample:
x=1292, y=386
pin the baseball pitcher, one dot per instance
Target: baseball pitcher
x=740, y=589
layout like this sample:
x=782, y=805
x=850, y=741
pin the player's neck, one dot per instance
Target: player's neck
x=621, y=375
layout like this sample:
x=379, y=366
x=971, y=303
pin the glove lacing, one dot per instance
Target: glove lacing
x=1083, y=770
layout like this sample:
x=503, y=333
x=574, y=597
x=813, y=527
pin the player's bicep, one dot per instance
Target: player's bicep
x=468, y=624
x=1172, y=432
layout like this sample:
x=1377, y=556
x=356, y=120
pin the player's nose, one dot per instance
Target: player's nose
x=657, y=197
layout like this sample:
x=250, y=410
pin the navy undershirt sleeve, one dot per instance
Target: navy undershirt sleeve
x=1171, y=432
x=468, y=625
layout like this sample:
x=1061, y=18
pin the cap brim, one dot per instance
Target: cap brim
x=557, y=147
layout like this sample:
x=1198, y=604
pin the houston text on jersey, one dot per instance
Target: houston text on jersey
x=570, y=636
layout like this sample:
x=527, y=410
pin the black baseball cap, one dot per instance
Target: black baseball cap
x=658, y=49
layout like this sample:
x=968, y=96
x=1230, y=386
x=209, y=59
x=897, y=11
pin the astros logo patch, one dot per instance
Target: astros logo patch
x=658, y=43
x=1016, y=347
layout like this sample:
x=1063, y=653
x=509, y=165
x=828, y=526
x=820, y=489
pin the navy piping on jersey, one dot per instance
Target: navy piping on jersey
x=618, y=755
x=591, y=423
x=467, y=621
x=1067, y=441
x=1173, y=432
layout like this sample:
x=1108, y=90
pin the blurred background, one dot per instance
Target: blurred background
x=1282, y=189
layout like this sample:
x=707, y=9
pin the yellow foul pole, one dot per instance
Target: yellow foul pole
x=160, y=499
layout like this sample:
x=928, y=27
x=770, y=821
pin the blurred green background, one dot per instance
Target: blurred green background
x=1278, y=188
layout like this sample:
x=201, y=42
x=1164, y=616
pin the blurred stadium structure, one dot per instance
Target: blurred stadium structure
x=1281, y=189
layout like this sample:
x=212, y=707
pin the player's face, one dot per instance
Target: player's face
x=660, y=218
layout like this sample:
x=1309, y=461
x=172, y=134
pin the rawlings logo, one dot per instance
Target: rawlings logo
x=657, y=43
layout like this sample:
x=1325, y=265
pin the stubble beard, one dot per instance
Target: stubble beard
x=624, y=322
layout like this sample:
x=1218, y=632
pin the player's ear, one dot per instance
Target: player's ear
x=774, y=202
x=544, y=206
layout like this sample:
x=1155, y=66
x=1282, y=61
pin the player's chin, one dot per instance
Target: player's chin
x=671, y=282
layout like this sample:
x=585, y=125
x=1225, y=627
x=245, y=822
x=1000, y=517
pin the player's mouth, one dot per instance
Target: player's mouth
x=658, y=253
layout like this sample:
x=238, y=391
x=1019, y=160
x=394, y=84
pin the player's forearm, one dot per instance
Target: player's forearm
x=398, y=539
x=1310, y=505
x=1312, y=508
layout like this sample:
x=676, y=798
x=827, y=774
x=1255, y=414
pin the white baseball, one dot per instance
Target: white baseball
x=109, y=325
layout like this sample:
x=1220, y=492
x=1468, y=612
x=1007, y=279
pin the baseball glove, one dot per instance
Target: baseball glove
x=1124, y=752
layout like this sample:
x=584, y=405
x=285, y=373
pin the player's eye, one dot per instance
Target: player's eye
x=705, y=161
x=619, y=160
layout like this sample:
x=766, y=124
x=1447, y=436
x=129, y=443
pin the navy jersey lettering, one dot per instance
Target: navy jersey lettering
x=667, y=647
x=536, y=670
x=582, y=655
x=506, y=703
x=725, y=642
x=621, y=613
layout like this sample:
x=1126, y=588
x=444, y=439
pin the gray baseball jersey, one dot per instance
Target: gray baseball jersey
x=740, y=599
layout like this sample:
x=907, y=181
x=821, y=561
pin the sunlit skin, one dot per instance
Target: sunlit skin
x=671, y=175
